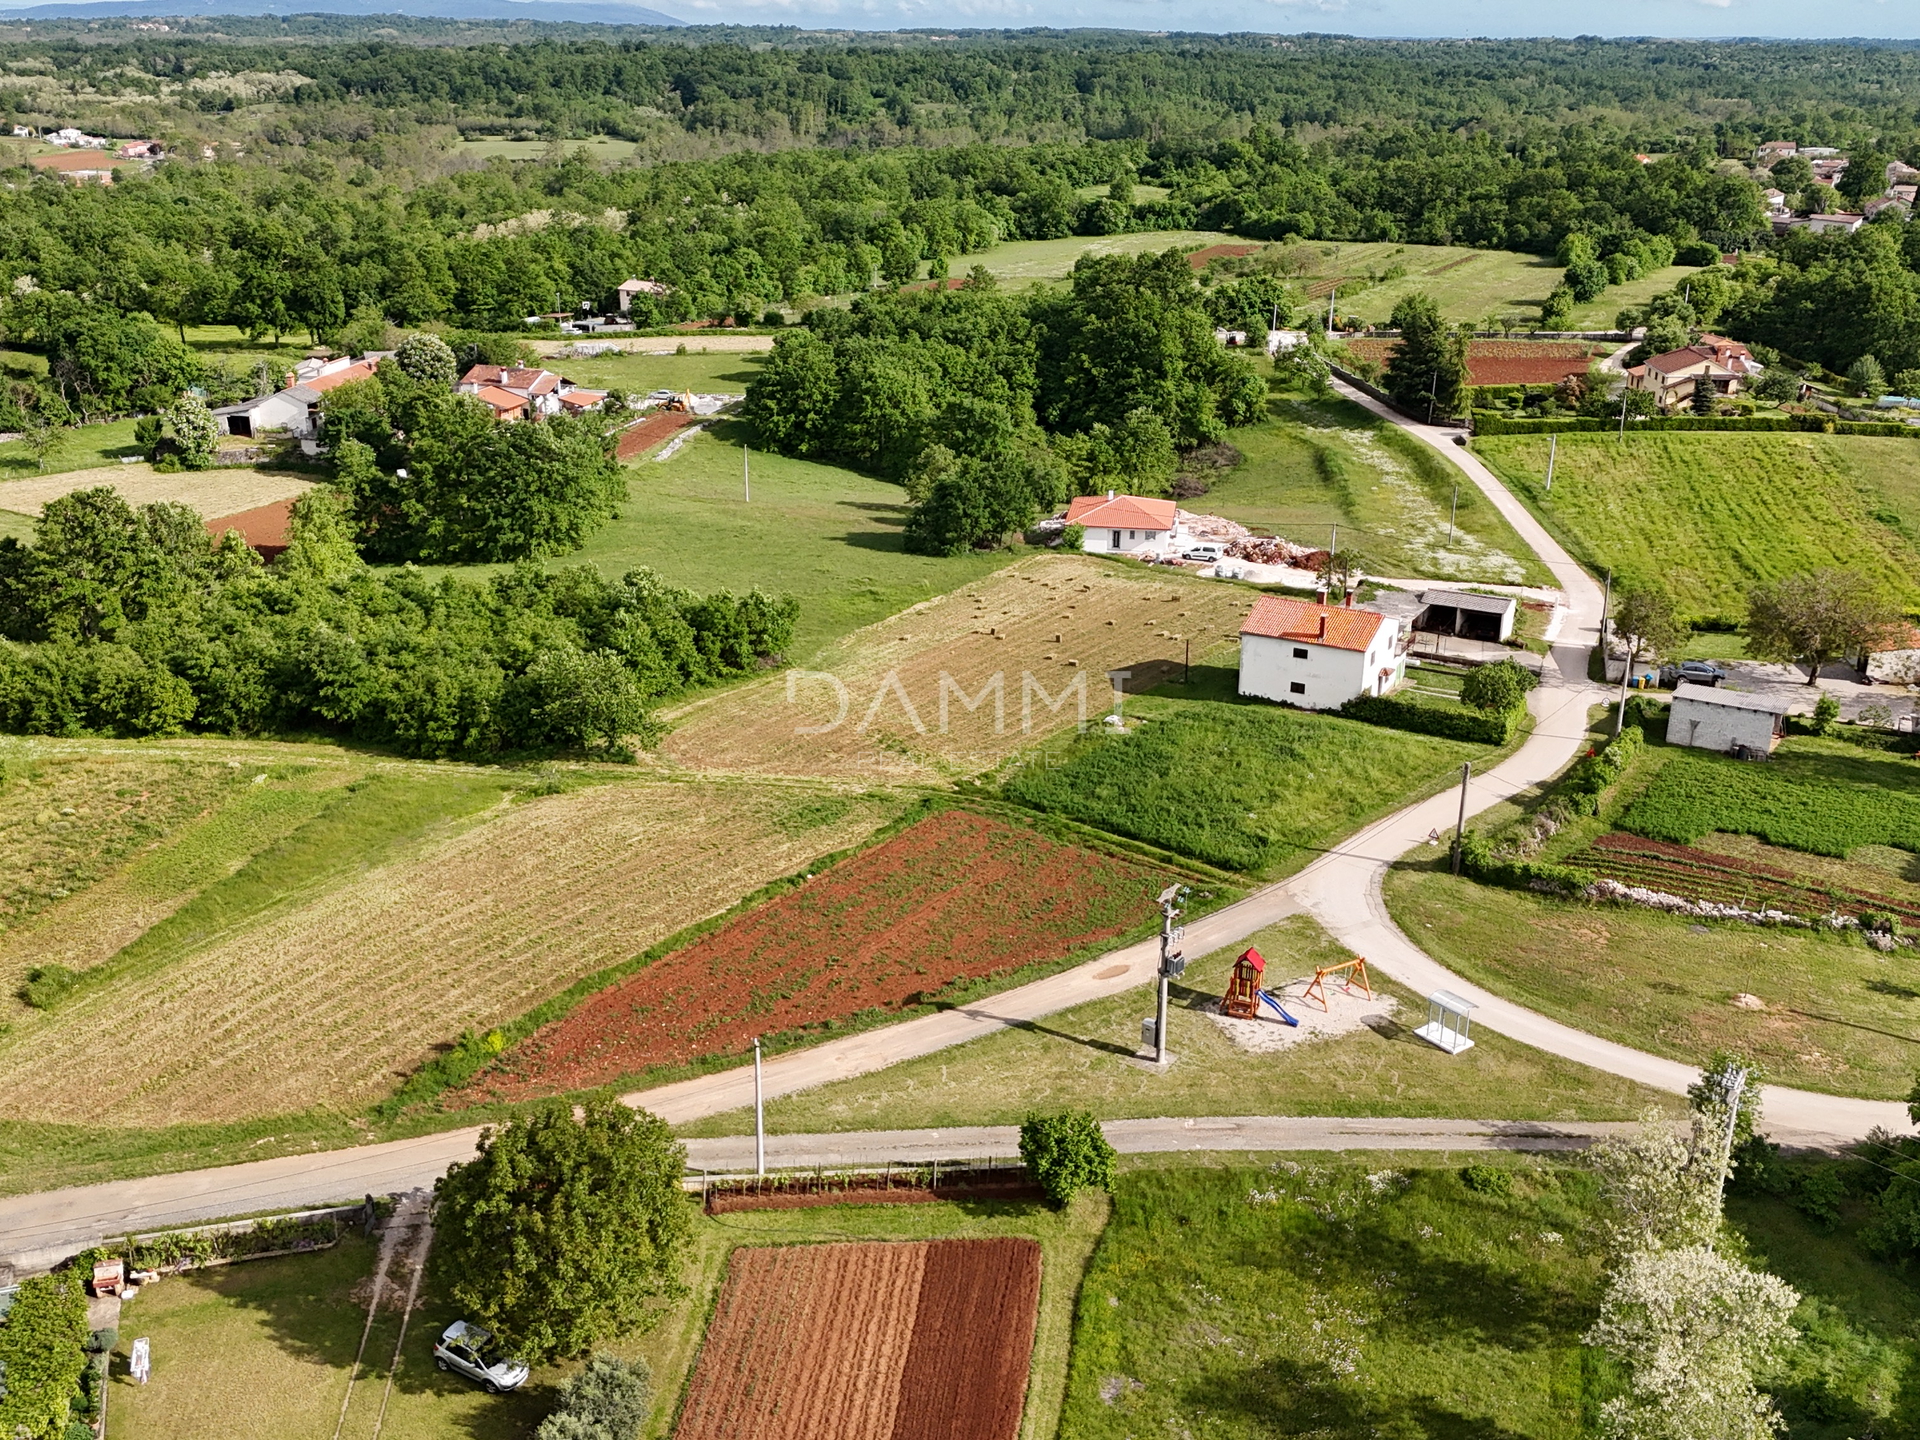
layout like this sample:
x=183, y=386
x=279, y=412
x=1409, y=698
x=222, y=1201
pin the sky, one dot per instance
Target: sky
x=1880, y=19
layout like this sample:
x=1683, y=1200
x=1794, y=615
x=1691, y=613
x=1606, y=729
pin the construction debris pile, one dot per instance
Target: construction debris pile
x=1210, y=527
x=1276, y=552
x=687, y=401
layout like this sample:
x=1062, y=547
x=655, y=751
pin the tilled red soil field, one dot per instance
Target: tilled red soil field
x=958, y=896
x=1728, y=880
x=639, y=438
x=920, y=1341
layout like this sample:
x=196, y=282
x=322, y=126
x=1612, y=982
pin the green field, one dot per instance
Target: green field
x=1048, y=260
x=263, y=1349
x=81, y=448
x=829, y=536
x=1317, y=464
x=1250, y=786
x=603, y=148
x=1082, y=1059
x=712, y=372
x=1711, y=514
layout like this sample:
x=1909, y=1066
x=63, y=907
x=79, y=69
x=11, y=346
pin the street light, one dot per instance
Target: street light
x=1172, y=964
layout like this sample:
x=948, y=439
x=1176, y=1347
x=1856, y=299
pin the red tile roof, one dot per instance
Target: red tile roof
x=533, y=382
x=1125, y=512
x=359, y=370
x=504, y=402
x=1338, y=627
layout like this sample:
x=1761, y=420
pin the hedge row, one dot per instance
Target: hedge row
x=1479, y=862
x=1397, y=714
x=1491, y=422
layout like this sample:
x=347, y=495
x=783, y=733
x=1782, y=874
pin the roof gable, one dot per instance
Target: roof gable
x=1338, y=627
x=1127, y=512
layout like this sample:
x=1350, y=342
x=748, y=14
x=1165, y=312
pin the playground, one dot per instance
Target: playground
x=1261, y=1014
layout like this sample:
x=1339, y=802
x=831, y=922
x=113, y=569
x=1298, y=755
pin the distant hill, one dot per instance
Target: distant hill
x=608, y=12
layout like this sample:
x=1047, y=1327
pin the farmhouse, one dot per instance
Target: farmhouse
x=79, y=139
x=531, y=392
x=1713, y=360
x=1709, y=718
x=1319, y=656
x=1835, y=224
x=1124, y=524
x=289, y=410
x=630, y=288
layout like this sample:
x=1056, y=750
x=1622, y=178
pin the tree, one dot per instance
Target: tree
x=320, y=536
x=579, y=700
x=1066, y=1153
x=427, y=360
x=1340, y=571
x=195, y=431
x=1428, y=366
x=42, y=1355
x=1812, y=619
x=1692, y=1328
x=608, y=1400
x=1644, y=620
x=561, y=1231
x=1866, y=378
x=1556, y=311
x=1588, y=280
x=44, y=438
x=1499, y=687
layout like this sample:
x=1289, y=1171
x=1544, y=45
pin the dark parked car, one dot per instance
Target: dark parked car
x=1700, y=672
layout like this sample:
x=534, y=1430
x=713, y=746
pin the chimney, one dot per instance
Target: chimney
x=1110, y=494
x=1323, y=624
x=1348, y=602
x=1320, y=595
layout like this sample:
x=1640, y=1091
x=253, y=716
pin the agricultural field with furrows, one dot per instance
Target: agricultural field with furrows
x=957, y=684
x=1708, y=515
x=1247, y=787
x=327, y=967
x=1317, y=464
x=954, y=898
x=901, y=1341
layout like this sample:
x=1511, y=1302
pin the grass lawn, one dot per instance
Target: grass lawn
x=1317, y=464
x=1040, y=261
x=1711, y=514
x=832, y=537
x=262, y=1349
x=1343, y=1298
x=1839, y=1017
x=710, y=372
x=1080, y=1059
x=1245, y=786
x=81, y=448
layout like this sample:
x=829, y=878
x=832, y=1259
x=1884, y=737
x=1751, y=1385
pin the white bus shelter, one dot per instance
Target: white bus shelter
x=1447, y=1024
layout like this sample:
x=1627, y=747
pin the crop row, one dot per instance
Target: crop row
x=1698, y=875
x=1696, y=795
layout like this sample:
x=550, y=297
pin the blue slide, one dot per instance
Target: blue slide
x=1281, y=1009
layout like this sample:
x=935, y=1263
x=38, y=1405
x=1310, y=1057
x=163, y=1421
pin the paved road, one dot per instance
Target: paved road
x=1341, y=889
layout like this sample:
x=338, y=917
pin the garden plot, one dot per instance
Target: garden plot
x=904, y=1341
x=954, y=898
x=210, y=492
x=332, y=997
x=955, y=685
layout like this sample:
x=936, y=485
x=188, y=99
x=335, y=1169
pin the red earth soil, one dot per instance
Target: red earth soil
x=639, y=438
x=957, y=896
x=966, y=1375
x=1503, y=362
x=1200, y=259
x=1726, y=879
x=926, y=1341
x=264, y=528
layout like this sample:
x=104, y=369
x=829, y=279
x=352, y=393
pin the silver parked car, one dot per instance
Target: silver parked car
x=470, y=1351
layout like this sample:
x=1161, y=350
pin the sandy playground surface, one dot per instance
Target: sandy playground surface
x=1345, y=1013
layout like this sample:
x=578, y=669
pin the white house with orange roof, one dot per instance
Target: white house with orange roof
x=1319, y=656
x=1124, y=524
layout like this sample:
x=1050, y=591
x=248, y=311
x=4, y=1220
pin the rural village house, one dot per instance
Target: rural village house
x=517, y=394
x=1725, y=365
x=1709, y=718
x=1123, y=524
x=630, y=288
x=1319, y=656
x=1841, y=224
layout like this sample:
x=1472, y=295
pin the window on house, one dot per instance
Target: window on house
x=1299, y=652
x=1296, y=688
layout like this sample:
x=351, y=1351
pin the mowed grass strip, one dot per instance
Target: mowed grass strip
x=959, y=683
x=957, y=897
x=1254, y=788
x=1710, y=514
x=331, y=1001
x=1836, y=1016
x=1082, y=1059
x=1345, y=1298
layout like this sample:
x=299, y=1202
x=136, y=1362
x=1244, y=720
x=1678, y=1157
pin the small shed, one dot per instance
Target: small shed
x=1708, y=717
x=1473, y=617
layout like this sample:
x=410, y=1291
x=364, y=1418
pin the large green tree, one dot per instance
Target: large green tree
x=1428, y=367
x=564, y=1229
x=1815, y=618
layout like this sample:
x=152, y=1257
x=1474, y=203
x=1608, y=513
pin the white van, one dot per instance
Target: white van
x=1205, y=551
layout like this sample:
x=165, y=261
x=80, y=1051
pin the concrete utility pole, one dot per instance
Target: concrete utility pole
x=1623, y=414
x=1553, y=452
x=1330, y=298
x=746, y=471
x=1454, y=513
x=759, y=1116
x=1460, y=828
x=1736, y=1087
x=1172, y=964
x=1606, y=614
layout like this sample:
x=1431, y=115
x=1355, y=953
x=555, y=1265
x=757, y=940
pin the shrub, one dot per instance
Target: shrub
x=195, y=431
x=608, y=1400
x=1487, y=1179
x=1895, y=1231
x=1499, y=687
x=1478, y=861
x=1826, y=715
x=1074, y=537
x=1066, y=1153
x=1397, y=714
x=47, y=985
x=42, y=1355
x=1696, y=253
x=1594, y=773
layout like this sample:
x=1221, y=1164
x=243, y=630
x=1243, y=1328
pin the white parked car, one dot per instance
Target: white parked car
x=1205, y=551
x=470, y=1351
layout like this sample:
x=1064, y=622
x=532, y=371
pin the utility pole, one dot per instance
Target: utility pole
x=1330, y=297
x=1460, y=829
x=1606, y=614
x=759, y=1116
x=1333, y=545
x=1736, y=1088
x=1433, y=395
x=1172, y=964
x=1623, y=414
x=1553, y=452
x=1454, y=513
x=746, y=471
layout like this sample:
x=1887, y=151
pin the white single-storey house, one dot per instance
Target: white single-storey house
x=627, y=289
x=1123, y=524
x=1709, y=718
x=289, y=411
x=1319, y=656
